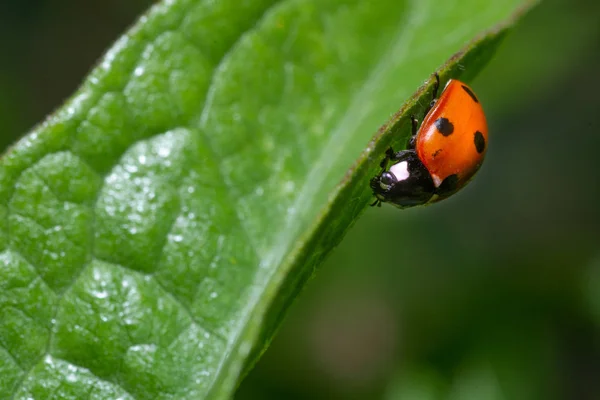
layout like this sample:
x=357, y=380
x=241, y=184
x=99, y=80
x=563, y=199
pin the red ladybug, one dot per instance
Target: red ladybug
x=443, y=154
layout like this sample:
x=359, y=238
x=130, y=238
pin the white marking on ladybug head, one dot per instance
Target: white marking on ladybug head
x=400, y=170
x=436, y=180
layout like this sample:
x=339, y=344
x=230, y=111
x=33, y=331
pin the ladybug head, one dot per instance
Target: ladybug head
x=405, y=184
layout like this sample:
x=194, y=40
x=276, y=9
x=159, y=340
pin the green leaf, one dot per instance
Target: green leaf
x=155, y=229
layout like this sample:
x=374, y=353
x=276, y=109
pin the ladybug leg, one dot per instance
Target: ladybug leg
x=413, y=139
x=383, y=164
x=389, y=154
x=415, y=122
x=393, y=156
x=436, y=87
x=374, y=183
x=375, y=187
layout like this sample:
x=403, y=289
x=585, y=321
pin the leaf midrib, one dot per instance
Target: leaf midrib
x=329, y=156
x=336, y=145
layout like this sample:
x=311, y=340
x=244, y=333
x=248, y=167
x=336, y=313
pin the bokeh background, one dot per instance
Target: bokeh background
x=492, y=294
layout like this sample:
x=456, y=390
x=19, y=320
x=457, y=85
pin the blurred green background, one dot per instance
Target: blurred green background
x=492, y=294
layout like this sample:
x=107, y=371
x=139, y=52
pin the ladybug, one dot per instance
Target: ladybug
x=442, y=155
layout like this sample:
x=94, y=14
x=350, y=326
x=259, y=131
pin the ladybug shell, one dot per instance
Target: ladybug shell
x=452, y=139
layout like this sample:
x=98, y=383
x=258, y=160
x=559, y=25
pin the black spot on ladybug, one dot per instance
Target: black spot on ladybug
x=435, y=154
x=470, y=93
x=479, y=142
x=444, y=126
x=448, y=186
